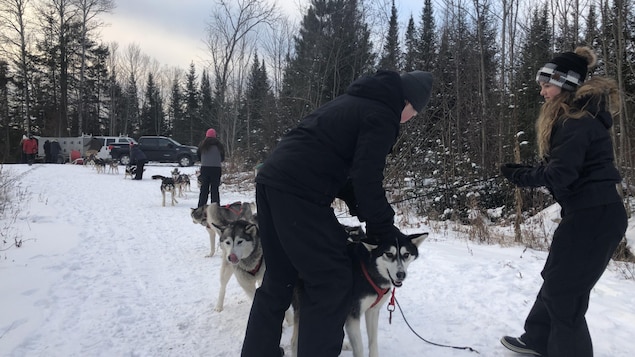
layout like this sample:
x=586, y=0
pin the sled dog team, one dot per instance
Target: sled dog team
x=377, y=267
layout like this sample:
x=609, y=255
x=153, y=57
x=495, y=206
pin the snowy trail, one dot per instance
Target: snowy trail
x=125, y=275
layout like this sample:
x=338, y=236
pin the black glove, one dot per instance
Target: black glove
x=511, y=171
x=347, y=194
x=382, y=234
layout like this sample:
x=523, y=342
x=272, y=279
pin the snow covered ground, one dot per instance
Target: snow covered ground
x=104, y=270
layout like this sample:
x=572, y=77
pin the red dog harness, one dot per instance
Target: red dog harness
x=379, y=291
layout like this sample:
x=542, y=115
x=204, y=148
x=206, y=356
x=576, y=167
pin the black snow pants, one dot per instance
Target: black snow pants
x=581, y=249
x=210, y=183
x=301, y=240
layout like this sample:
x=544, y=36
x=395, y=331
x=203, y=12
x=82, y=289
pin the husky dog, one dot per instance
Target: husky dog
x=182, y=181
x=377, y=267
x=100, y=165
x=131, y=171
x=242, y=255
x=167, y=186
x=113, y=166
x=226, y=213
x=242, y=252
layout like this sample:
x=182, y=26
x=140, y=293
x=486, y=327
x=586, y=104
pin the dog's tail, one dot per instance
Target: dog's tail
x=158, y=177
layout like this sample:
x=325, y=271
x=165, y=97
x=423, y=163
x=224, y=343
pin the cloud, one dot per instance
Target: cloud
x=168, y=31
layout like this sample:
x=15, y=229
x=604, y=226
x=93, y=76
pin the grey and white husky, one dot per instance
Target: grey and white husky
x=377, y=267
x=225, y=213
x=242, y=257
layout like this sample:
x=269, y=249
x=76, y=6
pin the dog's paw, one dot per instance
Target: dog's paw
x=346, y=346
x=218, y=308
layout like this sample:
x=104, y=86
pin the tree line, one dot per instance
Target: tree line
x=264, y=73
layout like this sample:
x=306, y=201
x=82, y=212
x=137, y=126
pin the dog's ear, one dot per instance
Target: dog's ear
x=417, y=238
x=251, y=229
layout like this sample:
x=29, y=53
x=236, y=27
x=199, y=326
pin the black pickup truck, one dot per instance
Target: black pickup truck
x=157, y=148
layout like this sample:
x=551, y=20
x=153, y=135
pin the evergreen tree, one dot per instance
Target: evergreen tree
x=175, y=108
x=426, y=43
x=258, y=114
x=391, y=58
x=534, y=53
x=131, y=108
x=207, y=103
x=332, y=50
x=116, y=106
x=185, y=131
x=410, y=55
x=151, y=121
x=95, y=88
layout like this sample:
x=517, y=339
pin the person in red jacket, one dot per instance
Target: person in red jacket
x=29, y=148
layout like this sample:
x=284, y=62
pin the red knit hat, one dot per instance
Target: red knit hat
x=211, y=133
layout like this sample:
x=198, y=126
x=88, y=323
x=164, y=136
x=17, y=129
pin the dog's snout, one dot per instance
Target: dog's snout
x=401, y=275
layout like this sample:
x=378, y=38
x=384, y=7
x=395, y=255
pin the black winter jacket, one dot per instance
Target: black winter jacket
x=580, y=171
x=347, y=137
x=137, y=156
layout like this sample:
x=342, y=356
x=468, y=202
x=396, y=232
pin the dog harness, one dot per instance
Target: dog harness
x=231, y=208
x=378, y=290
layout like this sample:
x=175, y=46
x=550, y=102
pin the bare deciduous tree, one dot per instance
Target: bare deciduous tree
x=14, y=33
x=228, y=32
x=89, y=10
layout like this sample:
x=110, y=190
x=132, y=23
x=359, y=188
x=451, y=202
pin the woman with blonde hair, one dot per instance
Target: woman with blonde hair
x=578, y=168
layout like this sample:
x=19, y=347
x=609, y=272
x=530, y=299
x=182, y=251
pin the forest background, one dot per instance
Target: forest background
x=263, y=73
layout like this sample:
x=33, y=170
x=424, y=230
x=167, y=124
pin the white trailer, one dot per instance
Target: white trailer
x=77, y=143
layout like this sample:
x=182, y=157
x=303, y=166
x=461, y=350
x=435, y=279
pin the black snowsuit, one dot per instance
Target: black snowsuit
x=55, y=152
x=581, y=174
x=348, y=137
x=138, y=158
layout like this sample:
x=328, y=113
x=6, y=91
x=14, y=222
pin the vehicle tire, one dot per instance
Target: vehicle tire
x=185, y=161
x=124, y=159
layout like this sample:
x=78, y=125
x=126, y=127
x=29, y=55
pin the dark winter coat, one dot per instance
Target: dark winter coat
x=211, y=152
x=580, y=171
x=347, y=137
x=55, y=150
x=137, y=156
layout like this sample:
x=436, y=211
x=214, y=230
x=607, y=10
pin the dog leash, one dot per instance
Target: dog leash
x=393, y=300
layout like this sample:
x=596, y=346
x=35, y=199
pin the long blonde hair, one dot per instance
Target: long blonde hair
x=560, y=107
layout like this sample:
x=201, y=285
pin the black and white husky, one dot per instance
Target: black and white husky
x=167, y=186
x=225, y=213
x=377, y=267
x=131, y=171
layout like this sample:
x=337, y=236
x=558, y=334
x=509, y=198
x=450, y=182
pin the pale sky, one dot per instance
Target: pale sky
x=173, y=31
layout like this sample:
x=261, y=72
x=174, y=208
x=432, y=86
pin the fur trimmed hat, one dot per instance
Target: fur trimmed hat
x=568, y=70
x=417, y=88
x=211, y=133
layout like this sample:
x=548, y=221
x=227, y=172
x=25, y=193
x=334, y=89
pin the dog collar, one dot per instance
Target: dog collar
x=378, y=290
x=255, y=270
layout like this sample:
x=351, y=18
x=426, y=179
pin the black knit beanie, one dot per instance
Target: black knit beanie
x=567, y=71
x=417, y=87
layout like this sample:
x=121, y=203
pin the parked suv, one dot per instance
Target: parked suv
x=157, y=148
